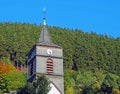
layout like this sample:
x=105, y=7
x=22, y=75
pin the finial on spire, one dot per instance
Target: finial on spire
x=44, y=19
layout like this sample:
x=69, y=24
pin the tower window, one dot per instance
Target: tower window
x=49, y=66
x=31, y=72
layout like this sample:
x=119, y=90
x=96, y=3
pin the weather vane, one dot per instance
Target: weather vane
x=44, y=13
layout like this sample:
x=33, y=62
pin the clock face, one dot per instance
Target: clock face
x=49, y=51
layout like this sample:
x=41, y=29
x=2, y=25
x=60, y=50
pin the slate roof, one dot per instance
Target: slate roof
x=45, y=38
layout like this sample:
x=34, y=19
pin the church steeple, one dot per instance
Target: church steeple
x=44, y=37
x=47, y=58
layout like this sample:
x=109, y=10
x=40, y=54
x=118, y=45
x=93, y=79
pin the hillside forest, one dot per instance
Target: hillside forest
x=91, y=61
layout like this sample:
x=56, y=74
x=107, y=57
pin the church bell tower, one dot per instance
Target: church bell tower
x=46, y=58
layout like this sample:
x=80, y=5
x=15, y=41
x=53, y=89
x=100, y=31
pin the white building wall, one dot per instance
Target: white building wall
x=53, y=90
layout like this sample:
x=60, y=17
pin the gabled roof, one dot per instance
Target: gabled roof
x=45, y=38
x=54, y=89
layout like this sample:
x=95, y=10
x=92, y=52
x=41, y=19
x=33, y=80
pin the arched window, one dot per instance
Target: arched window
x=49, y=66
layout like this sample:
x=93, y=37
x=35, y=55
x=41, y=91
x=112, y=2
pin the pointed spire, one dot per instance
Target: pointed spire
x=44, y=38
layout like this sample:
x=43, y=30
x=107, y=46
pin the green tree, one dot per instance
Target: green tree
x=27, y=89
x=40, y=86
x=15, y=79
x=3, y=84
x=10, y=77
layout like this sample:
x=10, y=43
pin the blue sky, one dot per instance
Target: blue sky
x=100, y=16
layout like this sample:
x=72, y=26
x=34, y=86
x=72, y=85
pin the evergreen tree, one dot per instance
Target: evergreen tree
x=39, y=86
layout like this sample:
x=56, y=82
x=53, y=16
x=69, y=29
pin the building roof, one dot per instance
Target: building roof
x=54, y=89
x=45, y=38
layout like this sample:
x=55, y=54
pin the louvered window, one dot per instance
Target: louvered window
x=31, y=70
x=49, y=66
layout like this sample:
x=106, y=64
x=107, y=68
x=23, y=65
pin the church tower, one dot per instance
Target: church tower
x=47, y=58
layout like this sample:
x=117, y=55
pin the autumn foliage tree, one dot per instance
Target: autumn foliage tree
x=10, y=77
x=5, y=68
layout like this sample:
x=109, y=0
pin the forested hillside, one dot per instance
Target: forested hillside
x=95, y=57
x=88, y=51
